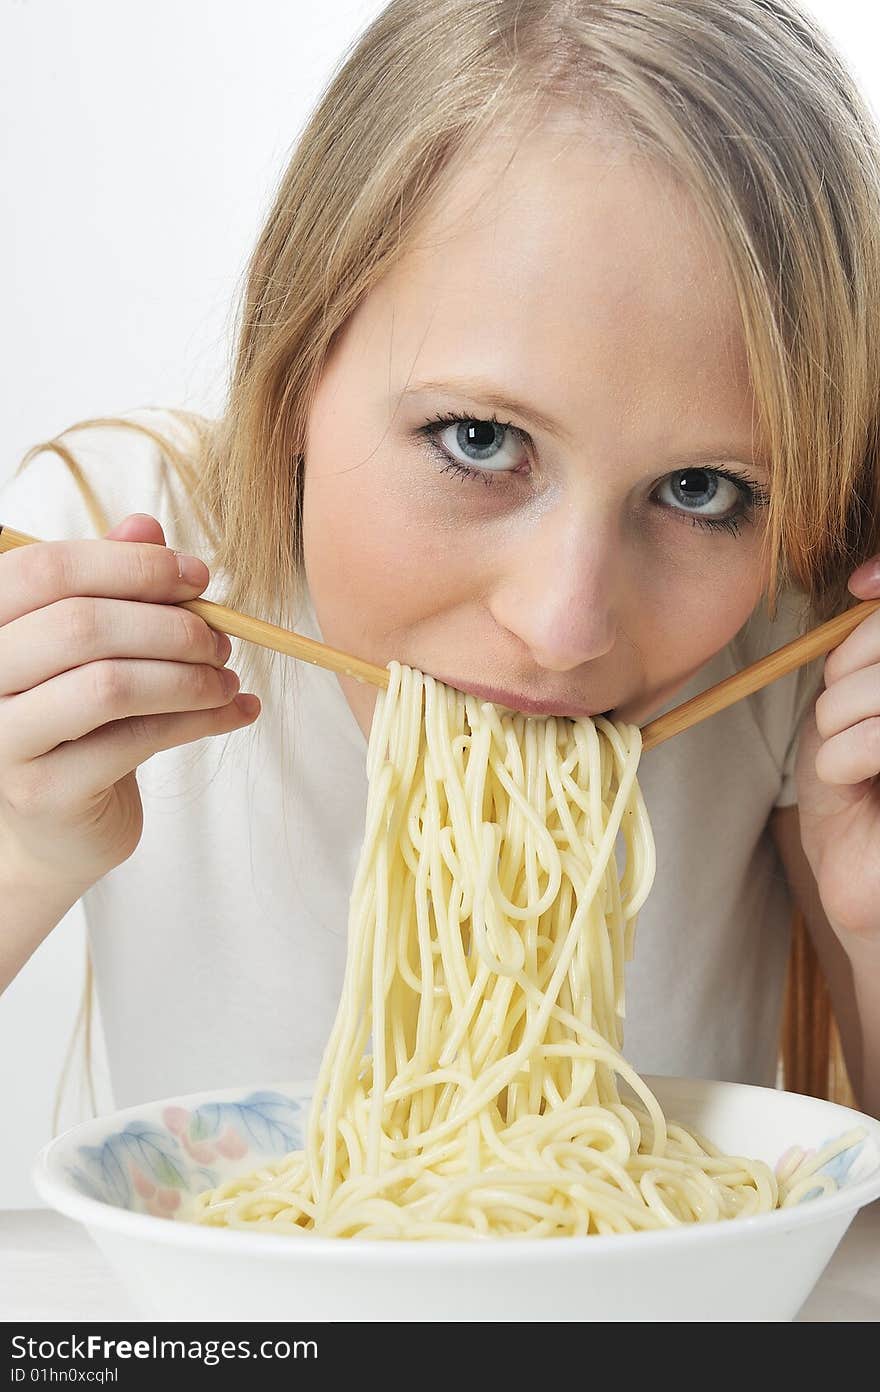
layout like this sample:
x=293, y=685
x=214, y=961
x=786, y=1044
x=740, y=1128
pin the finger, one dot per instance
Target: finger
x=41, y=573
x=46, y=642
x=138, y=526
x=79, y=701
x=848, y=700
x=859, y=649
x=865, y=581
x=851, y=756
x=83, y=769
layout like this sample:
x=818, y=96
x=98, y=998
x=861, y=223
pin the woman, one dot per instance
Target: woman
x=557, y=379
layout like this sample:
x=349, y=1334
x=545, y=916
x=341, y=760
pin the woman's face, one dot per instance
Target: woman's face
x=561, y=556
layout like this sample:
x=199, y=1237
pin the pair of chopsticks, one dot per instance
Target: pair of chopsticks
x=777, y=664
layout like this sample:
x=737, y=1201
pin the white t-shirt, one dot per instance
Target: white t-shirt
x=219, y=945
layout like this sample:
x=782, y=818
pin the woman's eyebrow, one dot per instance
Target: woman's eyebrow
x=479, y=389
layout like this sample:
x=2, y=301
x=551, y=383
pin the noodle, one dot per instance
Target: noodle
x=489, y=925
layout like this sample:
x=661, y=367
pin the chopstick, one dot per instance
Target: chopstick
x=777, y=664
x=225, y=620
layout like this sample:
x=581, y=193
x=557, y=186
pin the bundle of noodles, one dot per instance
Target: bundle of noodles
x=488, y=930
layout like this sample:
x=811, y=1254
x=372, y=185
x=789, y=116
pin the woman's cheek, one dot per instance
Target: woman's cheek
x=381, y=569
x=375, y=557
x=685, y=615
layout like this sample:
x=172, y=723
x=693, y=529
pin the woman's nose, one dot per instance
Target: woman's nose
x=556, y=591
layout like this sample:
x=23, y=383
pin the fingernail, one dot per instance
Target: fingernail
x=229, y=680
x=191, y=570
x=867, y=577
x=223, y=645
x=248, y=704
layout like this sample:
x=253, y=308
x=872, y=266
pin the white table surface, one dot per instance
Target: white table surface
x=51, y=1270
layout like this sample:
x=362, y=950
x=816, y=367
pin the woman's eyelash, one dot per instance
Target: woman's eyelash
x=752, y=494
x=454, y=466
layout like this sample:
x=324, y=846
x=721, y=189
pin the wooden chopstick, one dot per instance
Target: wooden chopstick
x=237, y=625
x=777, y=664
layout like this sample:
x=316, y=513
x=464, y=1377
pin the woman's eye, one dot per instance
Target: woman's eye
x=476, y=446
x=702, y=491
x=485, y=449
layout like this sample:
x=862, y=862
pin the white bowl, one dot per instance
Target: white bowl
x=125, y=1174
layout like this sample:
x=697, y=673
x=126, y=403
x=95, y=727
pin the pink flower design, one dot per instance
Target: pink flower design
x=232, y=1145
x=176, y=1119
x=202, y=1151
x=144, y=1186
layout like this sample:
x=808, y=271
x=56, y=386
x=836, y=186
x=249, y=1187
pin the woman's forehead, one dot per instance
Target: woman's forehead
x=573, y=273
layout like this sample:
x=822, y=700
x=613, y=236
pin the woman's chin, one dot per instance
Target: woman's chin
x=635, y=712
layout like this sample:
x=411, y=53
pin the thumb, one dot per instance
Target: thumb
x=138, y=526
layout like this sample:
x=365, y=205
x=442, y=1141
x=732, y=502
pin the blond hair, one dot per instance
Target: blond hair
x=746, y=102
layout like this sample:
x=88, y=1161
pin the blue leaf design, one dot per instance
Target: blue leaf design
x=839, y=1167
x=86, y=1185
x=149, y=1148
x=269, y=1119
x=117, y=1189
x=274, y=1099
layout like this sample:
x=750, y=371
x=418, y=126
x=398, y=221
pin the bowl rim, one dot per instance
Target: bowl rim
x=56, y=1189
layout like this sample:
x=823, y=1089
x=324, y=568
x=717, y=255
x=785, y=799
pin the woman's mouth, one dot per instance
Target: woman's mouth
x=527, y=705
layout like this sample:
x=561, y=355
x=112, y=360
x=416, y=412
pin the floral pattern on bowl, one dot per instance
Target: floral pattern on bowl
x=151, y=1166
x=164, y=1157
x=837, y=1168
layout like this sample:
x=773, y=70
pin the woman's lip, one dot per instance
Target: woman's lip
x=525, y=704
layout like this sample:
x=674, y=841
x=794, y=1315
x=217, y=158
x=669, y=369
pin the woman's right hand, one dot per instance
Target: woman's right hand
x=99, y=669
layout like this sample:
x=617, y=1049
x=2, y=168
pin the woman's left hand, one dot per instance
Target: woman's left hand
x=838, y=775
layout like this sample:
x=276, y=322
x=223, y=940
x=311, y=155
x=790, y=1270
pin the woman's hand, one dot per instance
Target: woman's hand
x=838, y=776
x=99, y=670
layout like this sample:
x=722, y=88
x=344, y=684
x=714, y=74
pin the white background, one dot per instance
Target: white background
x=140, y=145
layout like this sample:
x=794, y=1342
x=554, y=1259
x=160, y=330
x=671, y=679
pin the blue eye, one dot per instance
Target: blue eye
x=480, y=441
x=733, y=496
